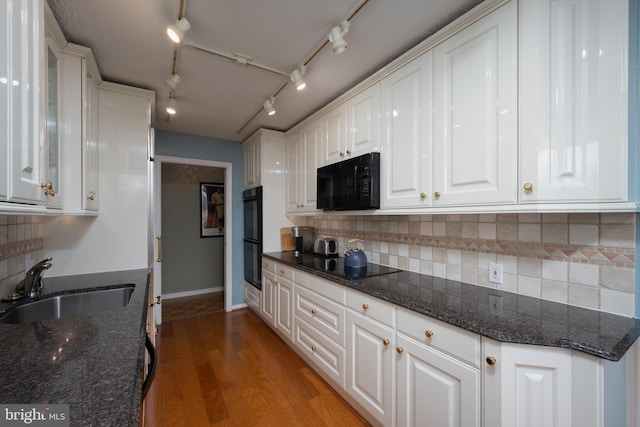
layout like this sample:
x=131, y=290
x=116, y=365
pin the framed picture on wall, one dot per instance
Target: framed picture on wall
x=212, y=209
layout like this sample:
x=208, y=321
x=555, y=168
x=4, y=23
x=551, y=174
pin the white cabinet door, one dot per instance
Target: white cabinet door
x=434, y=389
x=333, y=139
x=269, y=297
x=5, y=37
x=51, y=179
x=302, y=163
x=528, y=385
x=370, y=366
x=573, y=100
x=363, y=122
x=252, y=297
x=91, y=146
x=475, y=112
x=406, y=139
x=251, y=161
x=24, y=31
x=284, y=317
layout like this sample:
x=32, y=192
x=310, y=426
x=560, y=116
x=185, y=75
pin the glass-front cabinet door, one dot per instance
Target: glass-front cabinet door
x=51, y=172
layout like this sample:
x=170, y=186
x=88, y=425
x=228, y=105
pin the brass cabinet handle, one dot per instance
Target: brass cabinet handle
x=423, y=196
x=158, y=300
x=341, y=154
x=527, y=186
x=365, y=306
x=386, y=342
x=428, y=333
x=436, y=195
x=46, y=185
x=313, y=348
x=348, y=151
x=400, y=350
x=159, y=250
x=313, y=311
x=491, y=361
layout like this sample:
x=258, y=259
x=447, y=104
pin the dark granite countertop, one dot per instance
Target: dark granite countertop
x=91, y=362
x=502, y=316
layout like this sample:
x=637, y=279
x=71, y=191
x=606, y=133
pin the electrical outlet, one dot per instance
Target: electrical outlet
x=495, y=305
x=495, y=273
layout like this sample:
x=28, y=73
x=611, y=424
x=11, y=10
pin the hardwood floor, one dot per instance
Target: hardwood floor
x=196, y=305
x=230, y=369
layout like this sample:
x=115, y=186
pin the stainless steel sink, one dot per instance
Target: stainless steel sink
x=69, y=305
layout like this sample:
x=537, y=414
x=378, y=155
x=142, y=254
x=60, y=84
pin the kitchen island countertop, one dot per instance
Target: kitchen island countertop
x=502, y=316
x=91, y=362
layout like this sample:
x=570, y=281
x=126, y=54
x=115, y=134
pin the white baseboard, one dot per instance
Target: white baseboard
x=192, y=293
x=239, y=306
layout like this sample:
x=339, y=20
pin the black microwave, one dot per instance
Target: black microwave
x=352, y=184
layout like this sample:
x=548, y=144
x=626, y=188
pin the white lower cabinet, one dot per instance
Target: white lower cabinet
x=269, y=287
x=253, y=297
x=527, y=385
x=434, y=388
x=284, y=310
x=370, y=366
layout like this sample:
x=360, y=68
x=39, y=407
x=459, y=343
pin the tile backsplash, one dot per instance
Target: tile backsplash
x=585, y=259
x=21, y=241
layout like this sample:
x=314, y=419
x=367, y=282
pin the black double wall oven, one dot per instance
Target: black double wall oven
x=252, y=202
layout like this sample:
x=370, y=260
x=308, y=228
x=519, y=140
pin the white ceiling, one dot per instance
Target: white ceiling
x=218, y=96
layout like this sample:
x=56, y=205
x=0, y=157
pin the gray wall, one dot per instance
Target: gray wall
x=189, y=262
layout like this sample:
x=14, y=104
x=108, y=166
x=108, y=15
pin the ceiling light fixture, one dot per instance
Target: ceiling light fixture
x=296, y=77
x=171, y=106
x=173, y=81
x=176, y=31
x=268, y=106
x=336, y=36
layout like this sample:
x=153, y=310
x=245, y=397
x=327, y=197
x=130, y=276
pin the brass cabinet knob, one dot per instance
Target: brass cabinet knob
x=527, y=186
x=365, y=306
x=313, y=348
x=348, y=151
x=386, y=342
x=341, y=154
x=282, y=271
x=423, y=196
x=46, y=185
x=266, y=264
x=428, y=333
x=313, y=311
x=90, y=197
x=302, y=205
x=158, y=300
x=491, y=361
x=436, y=195
x=400, y=350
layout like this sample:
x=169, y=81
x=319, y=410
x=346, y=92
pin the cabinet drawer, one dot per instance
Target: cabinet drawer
x=269, y=264
x=450, y=339
x=333, y=291
x=372, y=307
x=284, y=271
x=323, y=314
x=325, y=354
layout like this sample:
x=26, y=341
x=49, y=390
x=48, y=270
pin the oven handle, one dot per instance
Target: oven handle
x=151, y=367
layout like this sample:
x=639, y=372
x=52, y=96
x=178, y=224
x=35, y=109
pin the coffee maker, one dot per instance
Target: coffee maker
x=304, y=240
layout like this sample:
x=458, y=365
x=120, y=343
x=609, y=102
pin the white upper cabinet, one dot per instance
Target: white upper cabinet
x=302, y=163
x=406, y=140
x=334, y=144
x=363, y=122
x=22, y=51
x=475, y=112
x=80, y=132
x=573, y=100
x=251, y=150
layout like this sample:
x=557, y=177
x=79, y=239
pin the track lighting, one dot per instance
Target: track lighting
x=173, y=81
x=171, y=106
x=296, y=77
x=176, y=31
x=268, y=106
x=336, y=36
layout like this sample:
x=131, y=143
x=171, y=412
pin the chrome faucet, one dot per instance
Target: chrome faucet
x=33, y=285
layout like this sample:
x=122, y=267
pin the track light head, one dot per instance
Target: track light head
x=268, y=106
x=336, y=36
x=171, y=106
x=296, y=77
x=173, y=81
x=176, y=31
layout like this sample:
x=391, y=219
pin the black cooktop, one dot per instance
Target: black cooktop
x=335, y=266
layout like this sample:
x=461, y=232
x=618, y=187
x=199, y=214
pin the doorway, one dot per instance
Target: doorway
x=215, y=249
